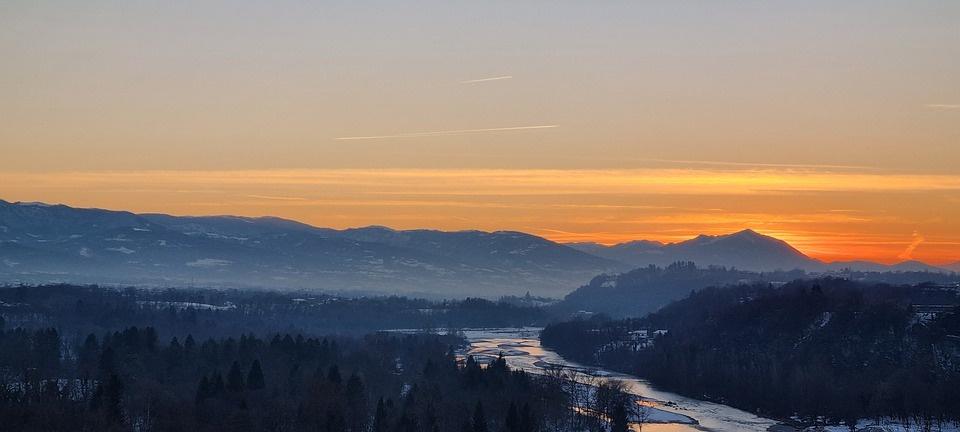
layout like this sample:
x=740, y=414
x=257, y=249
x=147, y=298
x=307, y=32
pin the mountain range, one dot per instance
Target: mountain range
x=45, y=243
x=48, y=243
x=745, y=250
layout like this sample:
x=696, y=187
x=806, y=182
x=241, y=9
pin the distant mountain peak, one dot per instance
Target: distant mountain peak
x=744, y=249
x=745, y=234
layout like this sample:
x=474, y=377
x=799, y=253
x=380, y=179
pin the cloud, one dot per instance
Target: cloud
x=908, y=252
x=606, y=205
x=276, y=198
x=448, y=132
x=759, y=164
x=943, y=106
x=482, y=80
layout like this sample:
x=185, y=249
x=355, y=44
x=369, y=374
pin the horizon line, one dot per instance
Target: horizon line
x=543, y=236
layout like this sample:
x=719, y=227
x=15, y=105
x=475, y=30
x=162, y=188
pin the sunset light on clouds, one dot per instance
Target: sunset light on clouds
x=829, y=215
x=832, y=126
x=486, y=216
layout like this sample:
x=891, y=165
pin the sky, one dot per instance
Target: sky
x=832, y=125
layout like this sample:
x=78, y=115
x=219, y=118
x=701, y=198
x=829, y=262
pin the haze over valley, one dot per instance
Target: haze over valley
x=435, y=216
x=42, y=243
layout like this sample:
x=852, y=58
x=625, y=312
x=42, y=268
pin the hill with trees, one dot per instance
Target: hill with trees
x=823, y=350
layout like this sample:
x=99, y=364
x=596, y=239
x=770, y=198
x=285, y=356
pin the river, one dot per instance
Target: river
x=673, y=412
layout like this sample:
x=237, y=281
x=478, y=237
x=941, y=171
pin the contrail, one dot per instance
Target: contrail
x=943, y=106
x=496, y=78
x=447, y=132
x=908, y=252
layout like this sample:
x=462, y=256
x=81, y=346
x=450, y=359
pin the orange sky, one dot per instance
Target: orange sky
x=830, y=215
x=833, y=125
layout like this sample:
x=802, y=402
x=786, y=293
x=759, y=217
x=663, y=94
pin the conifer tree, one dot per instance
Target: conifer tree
x=235, y=378
x=255, y=379
x=479, y=419
x=380, y=417
x=512, y=422
x=203, y=389
x=333, y=375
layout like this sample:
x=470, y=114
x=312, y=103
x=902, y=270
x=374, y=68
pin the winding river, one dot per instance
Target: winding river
x=669, y=411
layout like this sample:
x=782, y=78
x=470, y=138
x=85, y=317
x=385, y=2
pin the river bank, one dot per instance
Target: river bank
x=669, y=412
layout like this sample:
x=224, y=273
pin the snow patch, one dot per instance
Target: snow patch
x=209, y=262
x=186, y=305
x=223, y=237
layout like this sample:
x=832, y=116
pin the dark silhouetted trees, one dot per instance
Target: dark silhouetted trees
x=821, y=350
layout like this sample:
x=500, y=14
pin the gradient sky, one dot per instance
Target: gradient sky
x=833, y=126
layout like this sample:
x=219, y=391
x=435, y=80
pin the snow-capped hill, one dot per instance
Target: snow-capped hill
x=60, y=243
x=499, y=249
x=230, y=226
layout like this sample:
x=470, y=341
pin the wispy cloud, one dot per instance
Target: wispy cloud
x=606, y=205
x=759, y=164
x=448, y=132
x=943, y=106
x=482, y=80
x=276, y=198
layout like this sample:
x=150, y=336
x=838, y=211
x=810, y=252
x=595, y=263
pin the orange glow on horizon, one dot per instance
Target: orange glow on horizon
x=830, y=216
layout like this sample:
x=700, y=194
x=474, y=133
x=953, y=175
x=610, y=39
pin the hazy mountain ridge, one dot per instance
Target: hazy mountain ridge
x=747, y=250
x=56, y=242
x=904, y=266
x=44, y=243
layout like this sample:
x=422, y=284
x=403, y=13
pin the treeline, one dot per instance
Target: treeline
x=819, y=350
x=78, y=310
x=78, y=358
x=646, y=289
x=129, y=380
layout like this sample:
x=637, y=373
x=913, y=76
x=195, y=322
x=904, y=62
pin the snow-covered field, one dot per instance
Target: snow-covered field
x=185, y=305
x=886, y=426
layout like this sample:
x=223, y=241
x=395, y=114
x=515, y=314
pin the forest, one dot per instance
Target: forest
x=812, y=351
x=81, y=309
x=646, y=289
x=76, y=358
